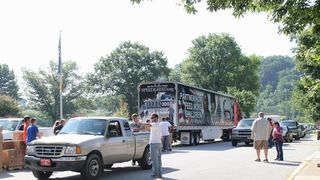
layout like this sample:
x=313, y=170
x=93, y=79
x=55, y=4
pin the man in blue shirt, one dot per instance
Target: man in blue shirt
x=32, y=131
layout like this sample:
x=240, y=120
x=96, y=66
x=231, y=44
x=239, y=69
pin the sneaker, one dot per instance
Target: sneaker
x=258, y=160
x=277, y=159
x=266, y=161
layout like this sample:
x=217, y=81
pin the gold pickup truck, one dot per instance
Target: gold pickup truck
x=88, y=145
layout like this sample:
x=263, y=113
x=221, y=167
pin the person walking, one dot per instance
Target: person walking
x=155, y=146
x=261, y=129
x=32, y=131
x=165, y=127
x=278, y=140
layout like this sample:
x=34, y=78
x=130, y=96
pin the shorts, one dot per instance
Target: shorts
x=260, y=144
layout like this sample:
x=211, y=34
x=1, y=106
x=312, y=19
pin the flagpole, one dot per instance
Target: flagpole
x=60, y=78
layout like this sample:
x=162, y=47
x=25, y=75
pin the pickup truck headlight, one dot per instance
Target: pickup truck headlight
x=73, y=150
x=31, y=149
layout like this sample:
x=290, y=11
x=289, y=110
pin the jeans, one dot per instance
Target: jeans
x=155, y=149
x=165, y=143
x=279, y=149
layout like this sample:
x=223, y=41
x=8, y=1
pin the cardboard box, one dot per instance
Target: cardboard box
x=7, y=145
x=18, y=135
x=19, y=145
x=9, y=158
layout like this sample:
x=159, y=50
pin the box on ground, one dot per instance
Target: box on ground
x=19, y=145
x=7, y=145
x=18, y=135
x=9, y=157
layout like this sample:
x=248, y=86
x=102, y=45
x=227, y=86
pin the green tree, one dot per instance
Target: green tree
x=8, y=82
x=8, y=107
x=43, y=89
x=270, y=68
x=124, y=69
x=175, y=73
x=246, y=99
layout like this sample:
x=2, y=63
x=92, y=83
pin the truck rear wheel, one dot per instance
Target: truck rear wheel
x=92, y=168
x=145, y=162
x=41, y=174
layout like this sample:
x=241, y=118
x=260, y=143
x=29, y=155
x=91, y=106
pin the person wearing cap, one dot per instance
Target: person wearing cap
x=23, y=121
x=136, y=125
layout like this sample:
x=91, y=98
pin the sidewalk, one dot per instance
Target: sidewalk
x=309, y=169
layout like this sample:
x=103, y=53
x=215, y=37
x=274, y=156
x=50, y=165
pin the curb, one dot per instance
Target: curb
x=302, y=166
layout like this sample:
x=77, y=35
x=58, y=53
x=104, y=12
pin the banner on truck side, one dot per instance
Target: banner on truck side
x=185, y=105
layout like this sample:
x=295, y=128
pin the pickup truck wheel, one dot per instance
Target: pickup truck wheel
x=92, y=168
x=41, y=174
x=145, y=162
x=234, y=143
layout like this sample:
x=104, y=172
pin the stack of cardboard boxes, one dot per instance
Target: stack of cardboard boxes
x=13, y=152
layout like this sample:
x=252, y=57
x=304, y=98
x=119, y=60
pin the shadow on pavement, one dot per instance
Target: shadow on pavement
x=204, y=146
x=125, y=173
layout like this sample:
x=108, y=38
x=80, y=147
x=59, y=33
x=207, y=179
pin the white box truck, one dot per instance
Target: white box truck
x=195, y=112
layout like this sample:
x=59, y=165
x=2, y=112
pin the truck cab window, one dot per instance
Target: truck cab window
x=127, y=129
x=114, y=129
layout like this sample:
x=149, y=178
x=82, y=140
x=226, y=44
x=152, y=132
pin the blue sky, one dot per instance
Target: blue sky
x=90, y=29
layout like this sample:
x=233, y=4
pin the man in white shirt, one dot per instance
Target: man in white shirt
x=155, y=146
x=165, y=126
x=261, y=130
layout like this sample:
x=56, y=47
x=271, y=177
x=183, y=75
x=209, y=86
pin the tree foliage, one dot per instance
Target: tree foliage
x=215, y=62
x=270, y=69
x=8, y=107
x=120, y=72
x=43, y=89
x=8, y=82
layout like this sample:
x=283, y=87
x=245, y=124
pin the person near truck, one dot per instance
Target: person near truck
x=261, y=129
x=155, y=146
x=32, y=131
x=58, y=128
x=278, y=140
x=23, y=121
x=270, y=141
x=25, y=128
x=165, y=127
x=136, y=125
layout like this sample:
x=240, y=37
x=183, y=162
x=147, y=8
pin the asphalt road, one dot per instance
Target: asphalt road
x=207, y=161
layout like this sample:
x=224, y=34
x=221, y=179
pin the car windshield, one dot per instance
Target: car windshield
x=245, y=123
x=9, y=125
x=288, y=123
x=84, y=126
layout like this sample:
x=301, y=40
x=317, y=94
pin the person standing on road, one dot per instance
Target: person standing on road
x=32, y=131
x=165, y=126
x=278, y=140
x=270, y=141
x=25, y=128
x=155, y=146
x=261, y=129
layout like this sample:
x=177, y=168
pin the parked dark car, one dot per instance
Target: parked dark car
x=287, y=134
x=293, y=126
